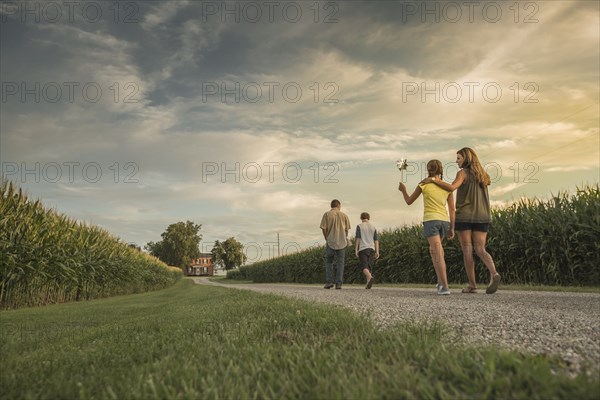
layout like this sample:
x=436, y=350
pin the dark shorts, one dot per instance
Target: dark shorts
x=436, y=228
x=366, y=259
x=472, y=226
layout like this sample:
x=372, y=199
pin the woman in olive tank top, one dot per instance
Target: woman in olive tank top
x=473, y=215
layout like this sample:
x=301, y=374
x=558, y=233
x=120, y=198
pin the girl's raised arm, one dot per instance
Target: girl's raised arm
x=409, y=199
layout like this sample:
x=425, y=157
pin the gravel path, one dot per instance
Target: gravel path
x=567, y=324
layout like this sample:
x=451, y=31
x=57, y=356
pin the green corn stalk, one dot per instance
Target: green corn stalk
x=49, y=258
x=533, y=241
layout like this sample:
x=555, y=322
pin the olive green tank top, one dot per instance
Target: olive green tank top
x=472, y=201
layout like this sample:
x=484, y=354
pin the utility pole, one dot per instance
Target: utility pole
x=278, y=252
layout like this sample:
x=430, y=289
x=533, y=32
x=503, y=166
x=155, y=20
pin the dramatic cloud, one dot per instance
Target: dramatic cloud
x=249, y=117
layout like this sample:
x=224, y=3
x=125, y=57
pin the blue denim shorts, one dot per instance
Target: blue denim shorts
x=436, y=228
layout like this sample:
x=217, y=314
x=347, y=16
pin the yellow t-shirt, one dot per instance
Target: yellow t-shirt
x=434, y=199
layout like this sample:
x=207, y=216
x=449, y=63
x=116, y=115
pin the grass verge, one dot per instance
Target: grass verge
x=197, y=341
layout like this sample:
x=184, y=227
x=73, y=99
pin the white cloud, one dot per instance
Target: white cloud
x=568, y=168
x=171, y=132
x=162, y=13
x=500, y=203
x=501, y=190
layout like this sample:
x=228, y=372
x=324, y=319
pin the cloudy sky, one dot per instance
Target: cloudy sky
x=249, y=117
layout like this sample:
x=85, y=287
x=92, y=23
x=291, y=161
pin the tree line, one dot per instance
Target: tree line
x=180, y=244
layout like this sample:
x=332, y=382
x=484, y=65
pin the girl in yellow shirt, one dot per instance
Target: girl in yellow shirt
x=436, y=221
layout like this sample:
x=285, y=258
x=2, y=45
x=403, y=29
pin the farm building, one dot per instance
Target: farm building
x=202, y=266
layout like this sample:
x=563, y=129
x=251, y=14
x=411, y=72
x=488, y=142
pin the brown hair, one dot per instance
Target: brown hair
x=434, y=167
x=365, y=215
x=335, y=203
x=472, y=164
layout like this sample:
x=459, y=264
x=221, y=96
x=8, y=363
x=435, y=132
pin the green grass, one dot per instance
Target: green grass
x=198, y=341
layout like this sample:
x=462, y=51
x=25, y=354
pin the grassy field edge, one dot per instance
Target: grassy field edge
x=191, y=341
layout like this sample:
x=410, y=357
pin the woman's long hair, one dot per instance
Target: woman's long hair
x=471, y=162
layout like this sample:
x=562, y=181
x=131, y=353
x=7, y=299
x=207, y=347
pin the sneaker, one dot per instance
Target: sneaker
x=328, y=286
x=370, y=283
x=493, y=287
x=338, y=285
x=443, y=291
x=438, y=287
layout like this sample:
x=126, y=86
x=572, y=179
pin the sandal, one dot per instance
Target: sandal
x=493, y=287
x=469, y=289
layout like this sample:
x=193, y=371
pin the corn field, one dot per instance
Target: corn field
x=553, y=242
x=48, y=258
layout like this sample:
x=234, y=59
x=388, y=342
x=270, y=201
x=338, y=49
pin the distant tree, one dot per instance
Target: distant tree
x=217, y=254
x=180, y=244
x=228, y=254
x=134, y=246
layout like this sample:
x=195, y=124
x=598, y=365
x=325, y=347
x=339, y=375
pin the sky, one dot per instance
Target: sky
x=250, y=117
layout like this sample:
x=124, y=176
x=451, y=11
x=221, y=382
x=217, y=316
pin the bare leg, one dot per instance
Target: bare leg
x=479, y=239
x=367, y=274
x=464, y=237
x=437, y=256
